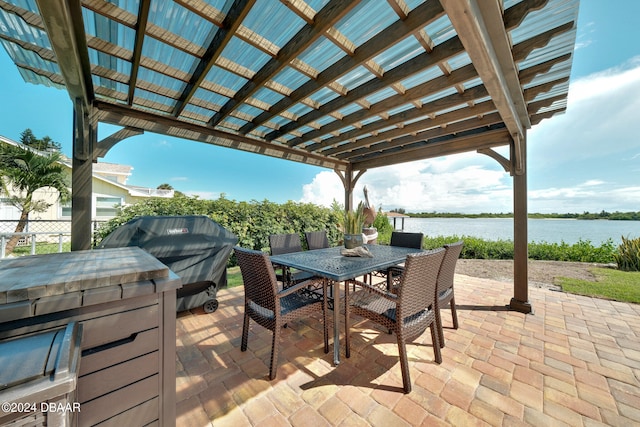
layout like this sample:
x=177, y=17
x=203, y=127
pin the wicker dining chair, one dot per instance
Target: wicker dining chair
x=285, y=244
x=271, y=308
x=401, y=239
x=316, y=239
x=407, y=313
x=445, y=294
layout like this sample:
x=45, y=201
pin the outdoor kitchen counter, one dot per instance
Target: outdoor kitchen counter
x=126, y=301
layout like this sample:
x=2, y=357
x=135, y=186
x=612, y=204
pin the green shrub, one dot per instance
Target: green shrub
x=475, y=248
x=628, y=255
x=252, y=222
x=384, y=228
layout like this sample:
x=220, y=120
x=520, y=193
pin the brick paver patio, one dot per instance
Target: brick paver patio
x=575, y=362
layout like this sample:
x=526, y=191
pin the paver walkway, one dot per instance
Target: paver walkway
x=575, y=362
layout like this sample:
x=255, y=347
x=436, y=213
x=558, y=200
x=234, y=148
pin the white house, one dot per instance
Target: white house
x=110, y=193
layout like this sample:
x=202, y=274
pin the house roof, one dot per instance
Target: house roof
x=347, y=85
x=112, y=168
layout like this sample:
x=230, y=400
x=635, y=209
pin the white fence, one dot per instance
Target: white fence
x=32, y=239
x=38, y=232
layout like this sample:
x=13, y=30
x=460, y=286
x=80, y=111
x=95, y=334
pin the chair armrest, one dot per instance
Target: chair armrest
x=296, y=288
x=373, y=290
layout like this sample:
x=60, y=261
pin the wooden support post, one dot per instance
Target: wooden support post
x=520, y=301
x=349, y=183
x=84, y=138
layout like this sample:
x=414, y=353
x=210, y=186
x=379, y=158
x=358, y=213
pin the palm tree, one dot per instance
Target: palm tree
x=24, y=172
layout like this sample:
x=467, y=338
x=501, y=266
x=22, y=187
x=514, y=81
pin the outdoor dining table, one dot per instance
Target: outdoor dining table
x=330, y=264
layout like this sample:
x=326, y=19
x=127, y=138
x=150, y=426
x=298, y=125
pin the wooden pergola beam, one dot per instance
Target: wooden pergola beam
x=64, y=26
x=481, y=28
x=63, y=23
x=463, y=144
x=416, y=128
x=425, y=136
x=122, y=115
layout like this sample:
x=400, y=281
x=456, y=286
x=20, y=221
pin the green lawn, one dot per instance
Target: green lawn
x=234, y=278
x=610, y=284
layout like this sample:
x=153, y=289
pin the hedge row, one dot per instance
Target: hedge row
x=254, y=221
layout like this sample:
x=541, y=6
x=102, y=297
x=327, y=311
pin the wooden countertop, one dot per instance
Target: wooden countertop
x=38, y=276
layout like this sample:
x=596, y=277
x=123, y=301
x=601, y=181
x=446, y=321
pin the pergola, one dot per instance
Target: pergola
x=345, y=85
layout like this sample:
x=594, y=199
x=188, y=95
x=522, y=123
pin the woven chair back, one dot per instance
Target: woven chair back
x=284, y=243
x=260, y=285
x=316, y=239
x=406, y=240
x=448, y=268
x=417, y=289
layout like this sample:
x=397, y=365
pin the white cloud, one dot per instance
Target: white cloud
x=582, y=198
x=592, y=183
x=601, y=117
x=323, y=190
x=179, y=178
x=444, y=184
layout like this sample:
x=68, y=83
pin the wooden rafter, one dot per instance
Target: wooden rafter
x=409, y=68
x=324, y=20
x=220, y=40
x=438, y=84
x=417, y=19
x=116, y=14
x=373, y=130
x=444, y=103
x=141, y=26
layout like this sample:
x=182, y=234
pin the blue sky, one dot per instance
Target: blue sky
x=587, y=159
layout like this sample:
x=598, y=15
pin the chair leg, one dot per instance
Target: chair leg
x=245, y=331
x=454, y=313
x=274, y=353
x=436, y=344
x=404, y=364
x=347, y=335
x=324, y=316
x=438, y=323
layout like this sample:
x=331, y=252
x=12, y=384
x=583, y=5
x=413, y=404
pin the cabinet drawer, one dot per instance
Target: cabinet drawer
x=117, y=376
x=135, y=345
x=118, y=326
x=142, y=415
x=118, y=401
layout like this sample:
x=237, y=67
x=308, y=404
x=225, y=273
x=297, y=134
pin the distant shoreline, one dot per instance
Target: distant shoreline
x=613, y=216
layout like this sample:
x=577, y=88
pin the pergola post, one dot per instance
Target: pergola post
x=520, y=301
x=84, y=141
x=349, y=183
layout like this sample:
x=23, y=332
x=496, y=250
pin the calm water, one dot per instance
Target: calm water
x=540, y=230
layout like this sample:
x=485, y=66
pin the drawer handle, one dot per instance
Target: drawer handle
x=131, y=338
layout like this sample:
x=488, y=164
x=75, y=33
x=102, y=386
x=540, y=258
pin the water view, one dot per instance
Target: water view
x=540, y=230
